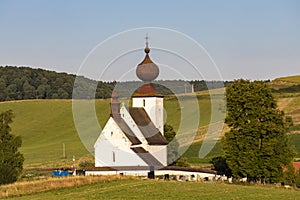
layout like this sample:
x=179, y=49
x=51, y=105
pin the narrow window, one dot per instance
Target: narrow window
x=144, y=103
x=111, y=133
x=114, y=156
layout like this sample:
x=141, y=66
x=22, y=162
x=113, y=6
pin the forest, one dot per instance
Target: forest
x=19, y=83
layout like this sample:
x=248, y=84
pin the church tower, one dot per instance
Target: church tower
x=146, y=96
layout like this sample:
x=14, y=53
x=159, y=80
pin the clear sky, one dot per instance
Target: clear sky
x=255, y=39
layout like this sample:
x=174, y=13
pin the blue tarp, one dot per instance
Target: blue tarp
x=61, y=173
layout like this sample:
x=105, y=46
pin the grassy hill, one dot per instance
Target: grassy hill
x=289, y=79
x=284, y=82
x=45, y=125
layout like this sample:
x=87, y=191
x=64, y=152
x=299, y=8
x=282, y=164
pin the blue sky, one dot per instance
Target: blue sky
x=256, y=39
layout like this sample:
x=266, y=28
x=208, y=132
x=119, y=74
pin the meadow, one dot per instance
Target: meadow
x=46, y=125
x=133, y=188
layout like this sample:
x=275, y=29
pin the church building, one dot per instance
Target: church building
x=134, y=136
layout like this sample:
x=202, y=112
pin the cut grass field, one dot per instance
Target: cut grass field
x=45, y=125
x=154, y=189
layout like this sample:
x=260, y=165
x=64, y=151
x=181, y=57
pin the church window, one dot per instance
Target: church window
x=111, y=133
x=144, y=103
x=113, y=156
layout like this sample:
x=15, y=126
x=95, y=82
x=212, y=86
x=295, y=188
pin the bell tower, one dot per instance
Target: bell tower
x=146, y=96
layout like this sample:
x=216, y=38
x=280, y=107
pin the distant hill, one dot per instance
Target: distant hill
x=20, y=83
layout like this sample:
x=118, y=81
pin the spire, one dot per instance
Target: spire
x=147, y=71
x=115, y=106
x=147, y=49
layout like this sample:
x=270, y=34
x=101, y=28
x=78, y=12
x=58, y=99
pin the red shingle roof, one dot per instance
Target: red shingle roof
x=146, y=90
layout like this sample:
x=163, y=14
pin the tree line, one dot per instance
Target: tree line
x=19, y=83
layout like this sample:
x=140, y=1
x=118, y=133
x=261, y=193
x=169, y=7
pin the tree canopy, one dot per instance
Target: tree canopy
x=17, y=83
x=11, y=160
x=256, y=146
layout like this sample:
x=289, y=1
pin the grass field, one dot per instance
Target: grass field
x=154, y=189
x=45, y=125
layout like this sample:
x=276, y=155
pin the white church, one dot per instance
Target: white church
x=134, y=136
x=132, y=141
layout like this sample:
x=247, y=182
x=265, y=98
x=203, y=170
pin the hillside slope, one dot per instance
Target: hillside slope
x=46, y=124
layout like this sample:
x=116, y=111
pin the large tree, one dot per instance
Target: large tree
x=11, y=160
x=256, y=146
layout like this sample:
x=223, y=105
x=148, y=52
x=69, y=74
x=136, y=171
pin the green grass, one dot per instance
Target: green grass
x=295, y=140
x=44, y=126
x=153, y=189
x=193, y=152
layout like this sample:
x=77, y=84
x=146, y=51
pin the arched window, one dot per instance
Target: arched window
x=113, y=156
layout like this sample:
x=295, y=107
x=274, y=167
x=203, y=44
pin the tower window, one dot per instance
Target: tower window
x=144, y=103
x=113, y=156
x=111, y=133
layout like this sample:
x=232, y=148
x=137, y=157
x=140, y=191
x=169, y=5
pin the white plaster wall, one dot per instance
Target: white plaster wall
x=132, y=125
x=154, y=107
x=125, y=172
x=156, y=172
x=160, y=153
x=112, y=148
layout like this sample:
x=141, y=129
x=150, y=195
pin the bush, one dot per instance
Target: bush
x=86, y=164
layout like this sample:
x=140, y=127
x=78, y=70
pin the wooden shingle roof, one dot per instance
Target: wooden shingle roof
x=146, y=126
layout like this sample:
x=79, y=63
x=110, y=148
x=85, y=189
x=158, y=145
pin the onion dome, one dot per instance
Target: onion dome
x=147, y=70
